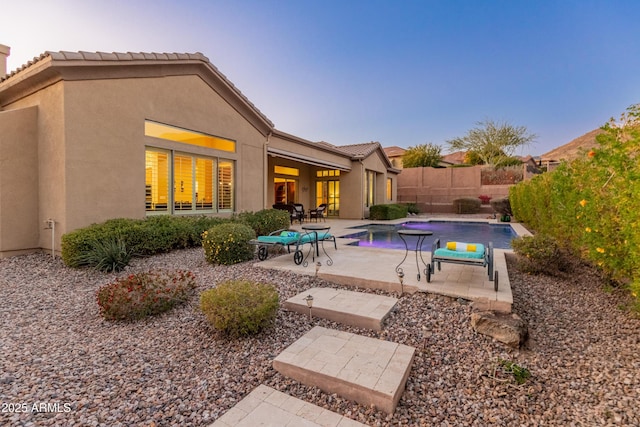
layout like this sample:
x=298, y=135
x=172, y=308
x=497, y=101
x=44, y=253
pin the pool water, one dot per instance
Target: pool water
x=386, y=236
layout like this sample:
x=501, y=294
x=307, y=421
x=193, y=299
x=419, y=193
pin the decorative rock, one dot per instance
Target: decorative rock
x=506, y=328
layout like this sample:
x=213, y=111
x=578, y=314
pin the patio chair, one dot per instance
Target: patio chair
x=318, y=213
x=299, y=211
x=463, y=253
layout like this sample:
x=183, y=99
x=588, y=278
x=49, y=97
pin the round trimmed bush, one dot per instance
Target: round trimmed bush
x=540, y=253
x=144, y=294
x=228, y=244
x=240, y=308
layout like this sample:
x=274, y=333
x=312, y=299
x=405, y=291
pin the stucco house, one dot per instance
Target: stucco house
x=88, y=136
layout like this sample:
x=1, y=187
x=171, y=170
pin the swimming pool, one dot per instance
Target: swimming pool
x=386, y=236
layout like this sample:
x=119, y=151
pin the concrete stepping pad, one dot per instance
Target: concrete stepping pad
x=358, y=309
x=265, y=406
x=367, y=370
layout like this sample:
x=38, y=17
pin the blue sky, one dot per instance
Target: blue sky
x=398, y=72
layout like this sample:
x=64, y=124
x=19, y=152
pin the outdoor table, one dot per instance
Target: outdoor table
x=315, y=229
x=421, y=235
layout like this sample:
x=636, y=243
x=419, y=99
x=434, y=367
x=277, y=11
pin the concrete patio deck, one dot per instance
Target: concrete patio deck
x=374, y=268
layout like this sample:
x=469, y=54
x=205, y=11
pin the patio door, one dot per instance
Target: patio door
x=285, y=190
x=328, y=192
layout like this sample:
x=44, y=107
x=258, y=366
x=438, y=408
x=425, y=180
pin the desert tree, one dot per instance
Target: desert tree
x=493, y=143
x=422, y=155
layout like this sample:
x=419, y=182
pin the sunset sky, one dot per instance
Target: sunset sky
x=398, y=72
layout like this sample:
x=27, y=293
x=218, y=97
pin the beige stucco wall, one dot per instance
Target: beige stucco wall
x=91, y=147
x=106, y=142
x=48, y=165
x=19, y=224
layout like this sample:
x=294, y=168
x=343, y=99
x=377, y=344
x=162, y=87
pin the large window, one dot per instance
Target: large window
x=200, y=184
x=370, y=188
x=186, y=136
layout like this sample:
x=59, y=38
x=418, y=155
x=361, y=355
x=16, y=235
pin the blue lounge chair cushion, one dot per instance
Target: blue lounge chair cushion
x=308, y=238
x=447, y=253
x=283, y=239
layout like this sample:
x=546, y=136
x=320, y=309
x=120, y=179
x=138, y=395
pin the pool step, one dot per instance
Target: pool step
x=358, y=309
x=367, y=370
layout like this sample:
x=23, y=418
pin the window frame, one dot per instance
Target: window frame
x=214, y=180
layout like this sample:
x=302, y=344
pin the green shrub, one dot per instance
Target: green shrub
x=540, y=254
x=388, y=211
x=591, y=203
x=467, y=205
x=141, y=237
x=106, y=255
x=501, y=206
x=143, y=294
x=227, y=243
x=81, y=241
x=199, y=224
x=240, y=308
x=265, y=221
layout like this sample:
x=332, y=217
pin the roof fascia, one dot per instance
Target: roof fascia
x=311, y=144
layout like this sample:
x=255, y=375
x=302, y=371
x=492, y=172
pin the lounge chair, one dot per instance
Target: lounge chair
x=463, y=253
x=283, y=238
x=287, y=238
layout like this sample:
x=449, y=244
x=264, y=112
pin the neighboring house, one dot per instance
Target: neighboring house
x=456, y=158
x=395, y=154
x=85, y=137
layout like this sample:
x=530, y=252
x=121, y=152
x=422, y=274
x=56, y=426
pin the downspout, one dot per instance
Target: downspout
x=265, y=183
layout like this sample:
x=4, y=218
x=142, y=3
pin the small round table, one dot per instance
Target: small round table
x=315, y=229
x=421, y=235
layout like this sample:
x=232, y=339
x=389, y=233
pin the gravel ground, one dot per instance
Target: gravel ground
x=58, y=356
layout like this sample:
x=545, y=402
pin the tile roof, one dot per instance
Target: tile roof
x=136, y=57
x=394, y=151
x=455, y=158
x=360, y=150
x=107, y=56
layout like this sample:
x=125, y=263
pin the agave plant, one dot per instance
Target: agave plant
x=107, y=255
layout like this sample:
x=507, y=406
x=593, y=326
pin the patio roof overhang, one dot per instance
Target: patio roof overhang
x=276, y=152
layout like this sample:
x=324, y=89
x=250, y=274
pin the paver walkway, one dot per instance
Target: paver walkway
x=265, y=406
x=368, y=370
x=358, y=309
